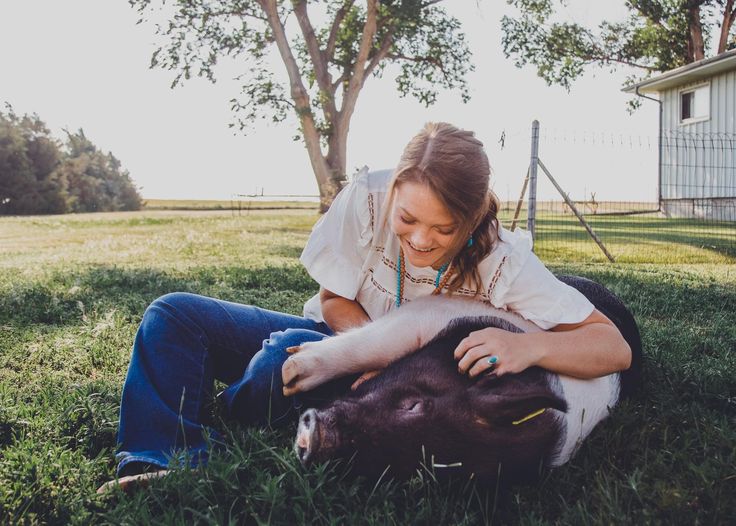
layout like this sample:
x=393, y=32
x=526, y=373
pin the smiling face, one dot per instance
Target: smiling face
x=425, y=228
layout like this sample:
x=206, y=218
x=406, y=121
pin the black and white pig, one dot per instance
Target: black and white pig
x=420, y=410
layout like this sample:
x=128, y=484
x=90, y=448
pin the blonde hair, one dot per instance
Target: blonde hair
x=453, y=164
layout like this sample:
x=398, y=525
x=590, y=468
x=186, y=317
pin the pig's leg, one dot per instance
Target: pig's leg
x=377, y=344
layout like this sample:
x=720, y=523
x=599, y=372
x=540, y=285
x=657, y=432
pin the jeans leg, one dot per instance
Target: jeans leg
x=184, y=342
x=257, y=399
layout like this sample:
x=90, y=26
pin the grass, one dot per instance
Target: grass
x=636, y=239
x=73, y=289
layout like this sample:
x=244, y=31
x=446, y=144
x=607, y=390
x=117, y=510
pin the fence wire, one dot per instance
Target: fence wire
x=691, y=219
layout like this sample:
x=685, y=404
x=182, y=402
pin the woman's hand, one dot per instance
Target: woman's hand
x=510, y=350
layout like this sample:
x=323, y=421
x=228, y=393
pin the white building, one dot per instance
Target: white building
x=697, y=162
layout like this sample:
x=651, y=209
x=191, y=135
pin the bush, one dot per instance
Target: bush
x=39, y=175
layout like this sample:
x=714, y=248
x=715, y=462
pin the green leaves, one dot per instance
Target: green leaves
x=432, y=54
x=658, y=35
x=319, y=43
x=37, y=176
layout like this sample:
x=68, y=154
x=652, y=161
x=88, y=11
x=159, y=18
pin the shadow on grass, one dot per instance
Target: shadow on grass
x=688, y=328
x=717, y=236
x=666, y=456
x=63, y=297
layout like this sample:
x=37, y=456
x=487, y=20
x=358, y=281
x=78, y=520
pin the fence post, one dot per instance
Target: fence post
x=660, y=158
x=520, y=202
x=533, y=164
x=576, y=212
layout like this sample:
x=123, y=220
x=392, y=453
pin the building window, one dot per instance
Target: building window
x=695, y=104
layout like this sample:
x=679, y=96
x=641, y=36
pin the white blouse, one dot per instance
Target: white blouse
x=353, y=253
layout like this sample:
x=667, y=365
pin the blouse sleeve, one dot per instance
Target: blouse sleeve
x=537, y=295
x=341, y=240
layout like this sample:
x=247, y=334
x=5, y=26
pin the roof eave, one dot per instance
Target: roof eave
x=685, y=74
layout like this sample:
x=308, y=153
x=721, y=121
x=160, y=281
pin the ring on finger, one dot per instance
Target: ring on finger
x=493, y=360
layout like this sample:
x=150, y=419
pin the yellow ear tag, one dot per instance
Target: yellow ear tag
x=529, y=416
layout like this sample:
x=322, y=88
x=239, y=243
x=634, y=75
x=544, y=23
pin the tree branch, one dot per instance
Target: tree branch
x=298, y=92
x=658, y=21
x=358, y=74
x=592, y=59
x=729, y=15
x=310, y=39
x=322, y=73
x=332, y=39
x=435, y=62
x=386, y=43
x=345, y=76
x=240, y=13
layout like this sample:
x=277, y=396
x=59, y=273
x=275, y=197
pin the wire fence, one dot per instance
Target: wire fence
x=605, y=196
x=692, y=216
x=243, y=204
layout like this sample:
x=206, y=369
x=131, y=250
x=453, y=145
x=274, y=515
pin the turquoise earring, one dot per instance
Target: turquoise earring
x=470, y=242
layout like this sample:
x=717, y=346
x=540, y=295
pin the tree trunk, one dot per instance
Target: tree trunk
x=729, y=14
x=695, y=44
x=340, y=121
x=336, y=161
x=329, y=187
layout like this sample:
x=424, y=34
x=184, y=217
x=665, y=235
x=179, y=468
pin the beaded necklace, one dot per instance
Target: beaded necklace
x=443, y=275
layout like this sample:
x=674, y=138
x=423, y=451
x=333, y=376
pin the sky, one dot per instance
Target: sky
x=85, y=64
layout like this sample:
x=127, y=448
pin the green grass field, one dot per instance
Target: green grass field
x=636, y=239
x=73, y=289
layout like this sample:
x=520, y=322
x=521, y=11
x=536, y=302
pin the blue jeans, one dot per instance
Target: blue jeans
x=183, y=344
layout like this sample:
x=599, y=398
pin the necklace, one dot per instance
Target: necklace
x=443, y=275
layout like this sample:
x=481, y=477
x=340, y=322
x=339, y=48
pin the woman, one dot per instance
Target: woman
x=429, y=227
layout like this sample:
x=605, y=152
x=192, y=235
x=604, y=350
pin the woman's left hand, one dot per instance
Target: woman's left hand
x=512, y=356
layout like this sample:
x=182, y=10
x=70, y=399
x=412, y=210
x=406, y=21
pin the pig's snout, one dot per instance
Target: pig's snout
x=314, y=438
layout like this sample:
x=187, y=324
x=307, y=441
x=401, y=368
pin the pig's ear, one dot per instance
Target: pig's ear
x=508, y=402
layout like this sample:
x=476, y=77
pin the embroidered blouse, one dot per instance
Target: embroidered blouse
x=353, y=253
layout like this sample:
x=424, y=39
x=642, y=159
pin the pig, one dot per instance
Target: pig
x=421, y=412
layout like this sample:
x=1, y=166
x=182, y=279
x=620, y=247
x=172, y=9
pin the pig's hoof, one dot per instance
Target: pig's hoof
x=294, y=349
x=290, y=372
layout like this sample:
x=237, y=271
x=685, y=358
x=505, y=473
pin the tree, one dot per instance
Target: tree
x=37, y=176
x=326, y=63
x=658, y=35
x=29, y=157
x=96, y=181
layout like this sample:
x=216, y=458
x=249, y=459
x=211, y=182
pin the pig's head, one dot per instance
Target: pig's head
x=421, y=410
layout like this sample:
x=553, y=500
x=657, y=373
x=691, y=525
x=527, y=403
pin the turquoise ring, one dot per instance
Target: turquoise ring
x=492, y=360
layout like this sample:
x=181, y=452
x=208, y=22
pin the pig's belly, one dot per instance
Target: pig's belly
x=588, y=403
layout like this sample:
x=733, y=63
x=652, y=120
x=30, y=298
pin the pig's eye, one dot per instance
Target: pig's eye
x=413, y=405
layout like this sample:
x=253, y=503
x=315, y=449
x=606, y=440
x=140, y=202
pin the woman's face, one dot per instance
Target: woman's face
x=425, y=228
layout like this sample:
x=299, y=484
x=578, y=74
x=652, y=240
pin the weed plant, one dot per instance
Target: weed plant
x=74, y=288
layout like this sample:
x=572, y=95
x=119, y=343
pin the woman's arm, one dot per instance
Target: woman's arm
x=591, y=348
x=341, y=313
x=377, y=344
